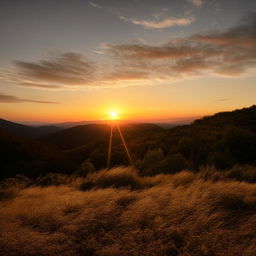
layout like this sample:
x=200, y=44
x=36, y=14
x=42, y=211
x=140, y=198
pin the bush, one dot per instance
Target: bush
x=245, y=173
x=174, y=163
x=8, y=193
x=53, y=179
x=85, y=168
x=116, y=177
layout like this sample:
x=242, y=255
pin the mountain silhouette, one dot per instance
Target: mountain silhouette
x=27, y=131
x=83, y=134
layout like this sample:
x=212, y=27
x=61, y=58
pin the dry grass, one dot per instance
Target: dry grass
x=124, y=214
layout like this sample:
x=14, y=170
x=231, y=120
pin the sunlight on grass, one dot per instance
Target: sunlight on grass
x=118, y=212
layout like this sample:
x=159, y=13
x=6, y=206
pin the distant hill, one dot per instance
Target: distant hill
x=26, y=131
x=84, y=134
x=67, y=125
x=18, y=129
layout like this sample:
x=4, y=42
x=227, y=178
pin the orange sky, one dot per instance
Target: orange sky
x=150, y=60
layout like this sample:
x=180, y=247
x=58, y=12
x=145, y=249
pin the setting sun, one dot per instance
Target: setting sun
x=113, y=115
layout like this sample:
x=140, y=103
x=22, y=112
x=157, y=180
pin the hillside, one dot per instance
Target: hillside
x=27, y=131
x=243, y=118
x=25, y=156
x=35, y=157
x=84, y=134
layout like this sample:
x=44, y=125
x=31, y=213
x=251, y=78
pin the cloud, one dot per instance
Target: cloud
x=242, y=36
x=230, y=53
x=197, y=2
x=95, y=5
x=4, y=98
x=224, y=99
x=156, y=24
x=39, y=85
x=66, y=70
x=227, y=53
x=127, y=75
x=144, y=51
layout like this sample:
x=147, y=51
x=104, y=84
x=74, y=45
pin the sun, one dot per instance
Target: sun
x=113, y=115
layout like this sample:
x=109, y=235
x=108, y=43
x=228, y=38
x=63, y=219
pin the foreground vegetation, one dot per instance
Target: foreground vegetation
x=118, y=212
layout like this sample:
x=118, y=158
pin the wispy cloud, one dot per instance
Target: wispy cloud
x=197, y=2
x=229, y=53
x=93, y=4
x=158, y=24
x=4, y=98
x=224, y=99
x=65, y=70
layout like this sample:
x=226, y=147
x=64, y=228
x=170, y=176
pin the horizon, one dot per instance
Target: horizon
x=175, y=121
x=67, y=61
x=156, y=121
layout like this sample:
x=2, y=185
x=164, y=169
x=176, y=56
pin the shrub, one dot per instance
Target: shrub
x=242, y=173
x=53, y=179
x=85, y=168
x=8, y=193
x=174, y=163
x=116, y=177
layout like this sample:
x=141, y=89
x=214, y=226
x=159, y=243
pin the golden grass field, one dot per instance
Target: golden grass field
x=117, y=212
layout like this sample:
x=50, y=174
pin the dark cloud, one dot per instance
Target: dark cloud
x=242, y=36
x=68, y=69
x=4, y=98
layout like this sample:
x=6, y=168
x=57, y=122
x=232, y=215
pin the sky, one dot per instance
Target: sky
x=149, y=60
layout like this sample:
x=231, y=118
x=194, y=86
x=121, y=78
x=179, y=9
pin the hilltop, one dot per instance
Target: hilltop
x=26, y=131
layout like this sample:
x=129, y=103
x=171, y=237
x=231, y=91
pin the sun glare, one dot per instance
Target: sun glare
x=113, y=115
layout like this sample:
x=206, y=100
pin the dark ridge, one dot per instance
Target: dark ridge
x=26, y=131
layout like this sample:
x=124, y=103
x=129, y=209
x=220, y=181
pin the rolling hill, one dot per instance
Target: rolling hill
x=84, y=134
x=27, y=131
